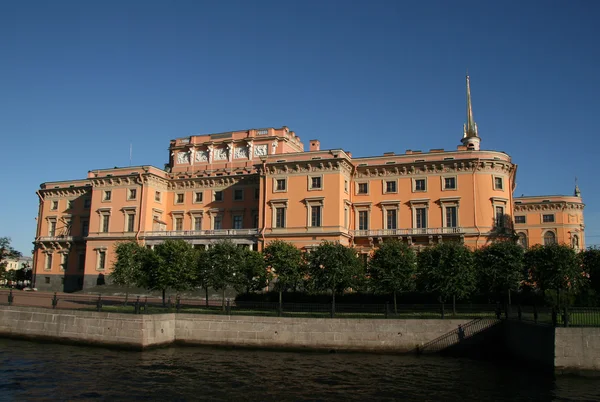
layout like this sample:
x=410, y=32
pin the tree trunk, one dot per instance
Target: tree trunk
x=395, y=304
x=453, y=305
x=509, y=300
x=333, y=302
x=206, y=290
x=164, y=297
x=280, y=300
x=126, y=294
x=223, y=299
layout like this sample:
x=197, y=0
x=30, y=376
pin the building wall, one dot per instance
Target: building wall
x=250, y=163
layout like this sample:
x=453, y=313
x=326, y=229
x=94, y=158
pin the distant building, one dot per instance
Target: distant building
x=13, y=264
x=258, y=185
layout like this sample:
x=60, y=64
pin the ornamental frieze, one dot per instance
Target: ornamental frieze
x=556, y=206
x=418, y=169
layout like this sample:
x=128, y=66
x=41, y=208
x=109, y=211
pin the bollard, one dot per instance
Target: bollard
x=280, y=310
x=136, y=307
x=170, y=303
x=177, y=303
x=228, y=308
x=332, y=313
x=99, y=303
x=11, y=298
x=54, y=300
x=443, y=311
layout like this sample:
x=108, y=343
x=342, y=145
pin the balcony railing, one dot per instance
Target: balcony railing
x=202, y=233
x=59, y=238
x=407, y=232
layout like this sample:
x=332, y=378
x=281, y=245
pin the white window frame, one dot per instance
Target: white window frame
x=104, y=212
x=195, y=201
x=99, y=252
x=414, y=184
x=447, y=203
x=236, y=190
x=310, y=179
x=176, y=198
x=549, y=231
x=526, y=235
x=444, y=188
x=494, y=183
x=357, y=187
x=106, y=195
x=196, y=215
x=214, y=197
x=52, y=207
x=158, y=196
x=520, y=223
x=384, y=184
x=275, y=180
x=129, y=197
x=282, y=203
x=551, y=222
x=314, y=202
x=48, y=261
x=418, y=204
x=388, y=206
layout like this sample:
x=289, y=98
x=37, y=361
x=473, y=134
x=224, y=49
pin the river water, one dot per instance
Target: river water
x=42, y=371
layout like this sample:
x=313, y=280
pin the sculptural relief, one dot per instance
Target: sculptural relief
x=260, y=150
x=221, y=154
x=183, y=157
x=240, y=152
x=201, y=156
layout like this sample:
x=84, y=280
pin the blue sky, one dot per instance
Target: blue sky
x=81, y=80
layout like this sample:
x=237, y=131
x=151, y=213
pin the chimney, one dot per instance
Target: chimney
x=315, y=145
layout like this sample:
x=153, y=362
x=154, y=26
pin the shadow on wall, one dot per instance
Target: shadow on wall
x=100, y=280
x=503, y=229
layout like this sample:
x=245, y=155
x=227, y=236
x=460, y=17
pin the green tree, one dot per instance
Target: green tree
x=127, y=267
x=226, y=259
x=556, y=268
x=590, y=261
x=203, y=270
x=287, y=265
x=334, y=267
x=393, y=269
x=500, y=268
x=448, y=270
x=252, y=273
x=170, y=266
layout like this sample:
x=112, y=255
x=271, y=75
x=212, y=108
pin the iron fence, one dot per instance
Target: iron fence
x=572, y=316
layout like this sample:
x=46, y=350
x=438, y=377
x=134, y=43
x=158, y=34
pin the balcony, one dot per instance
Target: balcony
x=202, y=233
x=408, y=232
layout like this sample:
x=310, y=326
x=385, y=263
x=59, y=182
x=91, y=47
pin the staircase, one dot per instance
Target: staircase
x=458, y=335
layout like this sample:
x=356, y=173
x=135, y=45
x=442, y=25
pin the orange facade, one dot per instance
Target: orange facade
x=255, y=186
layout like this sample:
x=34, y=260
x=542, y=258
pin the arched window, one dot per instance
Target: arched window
x=575, y=242
x=523, y=240
x=549, y=238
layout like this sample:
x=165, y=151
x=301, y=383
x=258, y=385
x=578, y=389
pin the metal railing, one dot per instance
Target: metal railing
x=201, y=233
x=59, y=238
x=407, y=232
x=461, y=333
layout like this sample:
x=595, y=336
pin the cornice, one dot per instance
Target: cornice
x=312, y=166
x=65, y=192
x=548, y=206
x=434, y=167
x=210, y=182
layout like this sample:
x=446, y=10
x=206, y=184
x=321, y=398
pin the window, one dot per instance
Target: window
x=549, y=238
x=101, y=259
x=315, y=183
x=70, y=204
x=179, y=223
x=179, y=198
x=218, y=195
x=107, y=195
x=391, y=219
x=346, y=216
x=132, y=194
x=64, y=260
x=280, y=217
x=46, y=280
x=280, y=185
x=198, y=196
x=256, y=193
x=363, y=220
x=51, y=228
x=197, y=223
x=499, y=217
x=218, y=222
x=105, y=222
x=315, y=216
x=85, y=228
x=522, y=240
x=238, y=221
x=498, y=183
x=520, y=219
x=48, y=261
x=130, y=222
x=255, y=221
x=54, y=206
x=449, y=183
x=363, y=188
x=549, y=218
x=390, y=187
x=238, y=194
x=451, y=217
x=421, y=217
x=87, y=203
x=345, y=186
x=420, y=185
x=157, y=196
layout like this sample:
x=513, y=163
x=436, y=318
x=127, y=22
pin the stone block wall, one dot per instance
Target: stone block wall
x=577, y=350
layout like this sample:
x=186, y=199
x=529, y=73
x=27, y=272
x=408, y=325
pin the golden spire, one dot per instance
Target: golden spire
x=470, y=128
